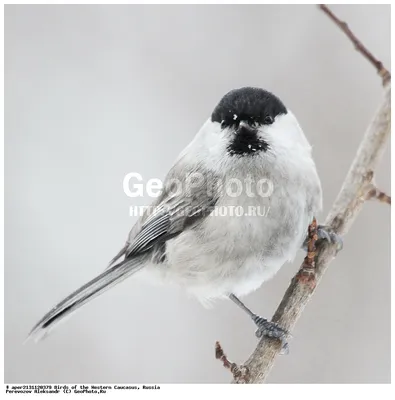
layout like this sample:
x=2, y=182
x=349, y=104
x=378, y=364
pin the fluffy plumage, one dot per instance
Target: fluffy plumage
x=250, y=137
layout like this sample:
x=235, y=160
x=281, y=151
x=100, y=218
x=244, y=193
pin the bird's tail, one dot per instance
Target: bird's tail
x=89, y=291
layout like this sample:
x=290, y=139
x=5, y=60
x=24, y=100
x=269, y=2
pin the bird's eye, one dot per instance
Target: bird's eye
x=268, y=120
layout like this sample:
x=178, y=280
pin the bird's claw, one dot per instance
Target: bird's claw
x=327, y=233
x=271, y=330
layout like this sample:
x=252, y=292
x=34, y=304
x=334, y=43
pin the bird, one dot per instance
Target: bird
x=235, y=207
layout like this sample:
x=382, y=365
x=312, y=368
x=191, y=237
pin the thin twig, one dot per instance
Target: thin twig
x=382, y=71
x=377, y=194
x=348, y=204
x=240, y=373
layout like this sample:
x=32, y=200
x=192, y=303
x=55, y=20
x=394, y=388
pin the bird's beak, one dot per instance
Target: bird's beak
x=244, y=124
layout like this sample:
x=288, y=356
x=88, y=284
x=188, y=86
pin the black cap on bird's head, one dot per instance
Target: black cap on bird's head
x=252, y=105
x=244, y=111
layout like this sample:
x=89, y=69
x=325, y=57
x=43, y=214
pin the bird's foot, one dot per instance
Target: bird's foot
x=271, y=330
x=265, y=328
x=327, y=233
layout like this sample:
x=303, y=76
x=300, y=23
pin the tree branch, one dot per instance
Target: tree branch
x=343, y=213
x=357, y=187
x=383, y=72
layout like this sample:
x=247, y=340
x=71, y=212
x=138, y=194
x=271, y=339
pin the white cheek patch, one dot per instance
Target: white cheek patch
x=285, y=134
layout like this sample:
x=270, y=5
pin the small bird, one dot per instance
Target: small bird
x=235, y=206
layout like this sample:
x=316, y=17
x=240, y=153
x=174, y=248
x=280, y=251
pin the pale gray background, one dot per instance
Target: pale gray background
x=95, y=92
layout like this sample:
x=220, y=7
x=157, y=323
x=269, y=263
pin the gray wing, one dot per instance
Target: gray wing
x=170, y=215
